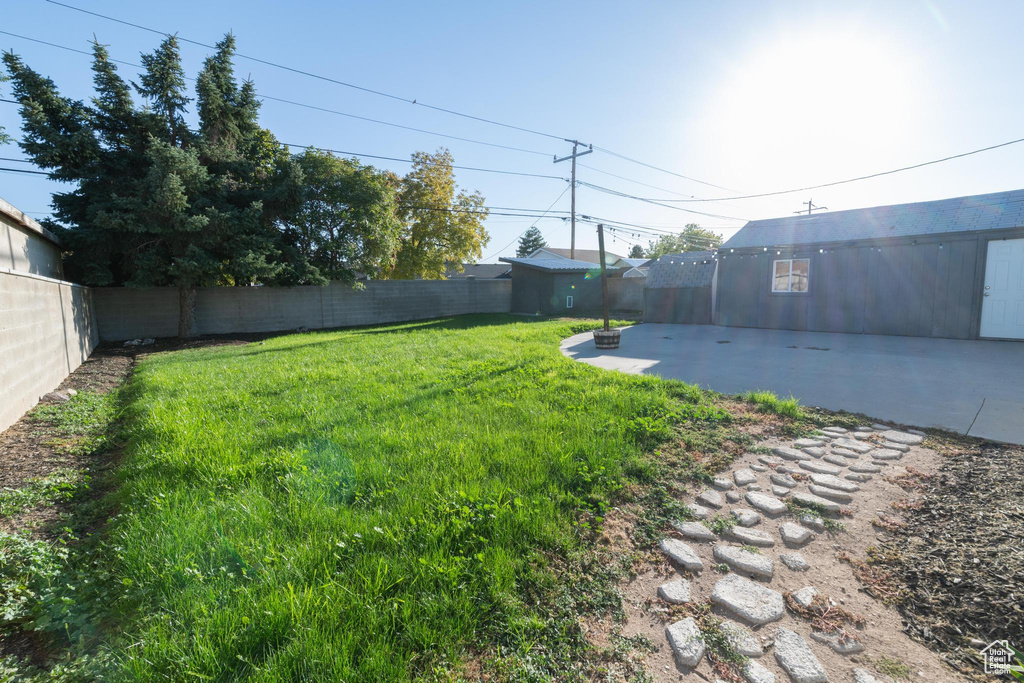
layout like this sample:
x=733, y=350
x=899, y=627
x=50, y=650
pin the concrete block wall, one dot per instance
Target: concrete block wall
x=124, y=313
x=47, y=329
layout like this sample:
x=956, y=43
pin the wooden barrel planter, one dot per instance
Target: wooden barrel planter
x=606, y=339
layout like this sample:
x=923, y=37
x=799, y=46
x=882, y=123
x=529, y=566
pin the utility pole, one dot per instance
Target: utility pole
x=575, y=146
x=811, y=207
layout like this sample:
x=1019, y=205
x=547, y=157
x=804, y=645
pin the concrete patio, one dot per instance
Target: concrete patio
x=970, y=387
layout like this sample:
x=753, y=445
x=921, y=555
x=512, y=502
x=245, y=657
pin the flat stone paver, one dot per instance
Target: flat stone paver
x=812, y=522
x=742, y=640
x=686, y=641
x=790, y=454
x=885, y=454
x=834, y=482
x=794, y=534
x=814, y=501
x=769, y=505
x=855, y=476
x=721, y=483
x=846, y=453
x=711, y=499
x=837, y=460
x=902, y=437
x=795, y=562
x=681, y=554
x=744, y=477
x=864, y=676
x=695, y=531
x=755, y=672
x=746, y=517
x=820, y=468
x=866, y=468
x=852, y=445
x=808, y=443
x=780, y=479
x=901, y=447
x=805, y=596
x=814, y=451
x=750, y=537
x=675, y=592
x=751, y=602
x=745, y=562
x=795, y=657
x=732, y=496
x=831, y=494
x=698, y=511
x=771, y=460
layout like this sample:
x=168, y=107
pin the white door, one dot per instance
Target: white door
x=1002, y=307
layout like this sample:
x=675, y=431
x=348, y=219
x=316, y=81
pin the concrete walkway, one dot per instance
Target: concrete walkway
x=971, y=387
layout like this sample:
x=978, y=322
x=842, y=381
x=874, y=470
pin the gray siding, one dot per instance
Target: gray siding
x=898, y=287
x=682, y=305
x=544, y=293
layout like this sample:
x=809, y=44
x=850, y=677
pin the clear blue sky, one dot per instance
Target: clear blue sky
x=753, y=97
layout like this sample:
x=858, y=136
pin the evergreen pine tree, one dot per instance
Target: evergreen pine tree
x=530, y=242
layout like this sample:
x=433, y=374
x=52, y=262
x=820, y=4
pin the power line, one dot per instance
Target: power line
x=656, y=168
x=310, y=74
x=23, y=170
x=626, y=195
x=531, y=225
x=301, y=104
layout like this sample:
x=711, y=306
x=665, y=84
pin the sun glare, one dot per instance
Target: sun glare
x=810, y=97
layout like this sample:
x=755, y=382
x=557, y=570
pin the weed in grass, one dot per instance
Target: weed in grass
x=767, y=402
x=59, y=485
x=79, y=425
x=27, y=568
x=751, y=549
x=721, y=568
x=720, y=524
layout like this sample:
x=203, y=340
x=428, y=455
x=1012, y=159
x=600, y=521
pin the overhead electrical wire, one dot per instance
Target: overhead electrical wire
x=547, y=210
x=380, y=93
x=656, y=168
x=626, y=195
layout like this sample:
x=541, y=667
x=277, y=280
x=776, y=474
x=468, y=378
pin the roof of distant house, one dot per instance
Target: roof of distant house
x=553, y=265
x=481, y=271
x=634, y=262
x=994, y=211
x=591, y=255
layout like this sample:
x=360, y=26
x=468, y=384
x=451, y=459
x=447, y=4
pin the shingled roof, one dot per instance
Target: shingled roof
x=689, y=269
x=993, y=211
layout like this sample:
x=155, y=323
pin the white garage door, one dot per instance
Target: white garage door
x=1002, y=308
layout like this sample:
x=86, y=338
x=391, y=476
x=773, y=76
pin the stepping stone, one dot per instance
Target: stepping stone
x=686, y=641
x=833, y=482
x=820, y=468
x=769, y=505
x=769, y=460
x=790, y=454
x=831, y=494
x=753, y=603
x=901, y=447
x=850, y=444
x=805, y=596
x=846, y=453
x=721, y=483
x=879, y=427
x=786, y=469
x=745, y=562
x=698, y=511
x=864, y=676
x=744, y=477
x=858, y=477
x=902, y=437
x=755, y=672
x=796, y=658
x=918, y=432
x=863, y=436
x=783, y=480
x=814, y=452
x=863, y=429
x=812, y=522
x=837, y=460
x=835, y=430
x=711, y=499
x=808, y=443
x=866, y=469
x=746, y=517
x=754, y=487
x=847, y=646
x=816, y=502
x=681, y=554
x=695, y=531
x=794, y=534
x=758, y=468
x=675, y=592
x=750, y=537
x=885, y=454
x=741, y=639
x=780, y=491
x=795, y=561
x=732, y=496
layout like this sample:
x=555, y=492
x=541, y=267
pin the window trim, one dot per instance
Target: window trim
x=790, y=291
x=568, y=301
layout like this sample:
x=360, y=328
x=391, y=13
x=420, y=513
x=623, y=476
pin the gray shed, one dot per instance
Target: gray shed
x=561, y=286
x=948, y=268
x=680, y=288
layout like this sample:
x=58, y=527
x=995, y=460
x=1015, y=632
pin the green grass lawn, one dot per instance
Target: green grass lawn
x=370, y=504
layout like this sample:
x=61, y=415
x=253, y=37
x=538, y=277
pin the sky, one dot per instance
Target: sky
x=743, y=97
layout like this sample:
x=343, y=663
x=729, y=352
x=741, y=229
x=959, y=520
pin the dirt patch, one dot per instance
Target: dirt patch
x=958, y=557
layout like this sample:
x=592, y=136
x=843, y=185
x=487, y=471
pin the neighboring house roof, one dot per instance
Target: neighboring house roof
x=553, y=265
x=591, y=255
x=994, y=211
x=631, y=262
x=635, y=272
x=481, y=271
x=689, y=269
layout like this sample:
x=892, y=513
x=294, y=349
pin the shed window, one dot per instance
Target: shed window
x=790, y=274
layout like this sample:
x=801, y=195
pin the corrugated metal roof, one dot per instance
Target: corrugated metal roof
x=689, y=269
x=961, y=214
x=591, y=255
x=553, y=264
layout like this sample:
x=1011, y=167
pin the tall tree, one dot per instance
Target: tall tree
x=4, y=137
x=348, y=221
x=153, y=203
x=636, y=252
x=444, y=224
x=530, y=242
x=692, y=238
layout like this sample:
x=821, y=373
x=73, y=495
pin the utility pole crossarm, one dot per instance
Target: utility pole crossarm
x=575, y=146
